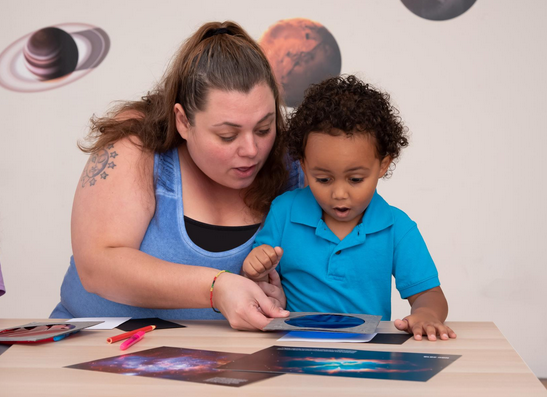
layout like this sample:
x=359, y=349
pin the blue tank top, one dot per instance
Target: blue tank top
x=166, y=238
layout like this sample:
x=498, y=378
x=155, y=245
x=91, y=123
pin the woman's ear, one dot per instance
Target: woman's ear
x=181, y=121
x=384, y=166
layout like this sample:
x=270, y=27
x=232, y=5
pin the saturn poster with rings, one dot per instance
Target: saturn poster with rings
x=52, y=56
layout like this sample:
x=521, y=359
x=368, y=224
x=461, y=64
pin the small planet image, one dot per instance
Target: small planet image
x=52, y=57
x=438, y=10
x=301, y=52
x=327, y=321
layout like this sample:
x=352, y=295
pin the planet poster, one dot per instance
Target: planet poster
x=438, y=10
x=301, y=52
x=53, y=56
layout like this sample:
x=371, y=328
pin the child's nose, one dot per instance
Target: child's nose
x=339, y=192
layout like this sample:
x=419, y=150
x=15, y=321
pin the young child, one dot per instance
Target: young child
x=334, y=245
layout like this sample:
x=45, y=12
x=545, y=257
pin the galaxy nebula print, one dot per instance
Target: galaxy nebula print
x=344, y=362
x=177, y=364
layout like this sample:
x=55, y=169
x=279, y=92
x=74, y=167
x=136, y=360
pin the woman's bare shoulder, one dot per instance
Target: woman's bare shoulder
x=121, y=159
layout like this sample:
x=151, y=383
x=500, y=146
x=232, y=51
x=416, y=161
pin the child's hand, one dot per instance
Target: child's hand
x=274, y=289
x=261, y=261
x=429, y=309
x=423, y=324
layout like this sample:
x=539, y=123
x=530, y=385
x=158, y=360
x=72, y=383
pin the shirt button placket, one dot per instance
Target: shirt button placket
x=335, y=264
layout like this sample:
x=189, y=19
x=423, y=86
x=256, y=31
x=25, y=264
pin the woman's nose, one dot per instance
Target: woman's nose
x=248, y=146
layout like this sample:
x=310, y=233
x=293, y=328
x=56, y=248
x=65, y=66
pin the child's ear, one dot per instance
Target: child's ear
x=181, y=121
x=303, y=165
x=384, y=166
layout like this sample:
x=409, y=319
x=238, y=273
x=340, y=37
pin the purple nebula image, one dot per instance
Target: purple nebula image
x=301, y=52
x=52, y=57
x=201, y=366
x=438, y=10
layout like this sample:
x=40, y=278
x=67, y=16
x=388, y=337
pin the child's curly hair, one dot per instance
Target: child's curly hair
x=346, y=105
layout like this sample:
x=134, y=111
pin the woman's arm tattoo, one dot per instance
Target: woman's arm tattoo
x=97, y=165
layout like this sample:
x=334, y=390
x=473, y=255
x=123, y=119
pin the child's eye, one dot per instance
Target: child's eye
x=322, y=180
x=356, y=180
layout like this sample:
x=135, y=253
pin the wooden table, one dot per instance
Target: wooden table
x=489, y=366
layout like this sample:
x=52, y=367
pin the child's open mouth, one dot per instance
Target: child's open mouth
x=341, y=212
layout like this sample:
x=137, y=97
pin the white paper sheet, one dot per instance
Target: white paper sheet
x=312, y=336
x=109, y=322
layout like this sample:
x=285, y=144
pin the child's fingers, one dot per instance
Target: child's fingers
x=451, y=333
x=420, y=328
x=430, y=331
x=417, y=330
x=268, y=257
x=442, y=330
x=253, y=268
x=402, y=325
x=279, y=253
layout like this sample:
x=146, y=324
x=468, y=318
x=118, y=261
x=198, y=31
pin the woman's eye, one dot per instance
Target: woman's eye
x=264, y=132
x=227, y=138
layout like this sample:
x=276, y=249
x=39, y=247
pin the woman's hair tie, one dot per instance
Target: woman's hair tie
x=214, y=32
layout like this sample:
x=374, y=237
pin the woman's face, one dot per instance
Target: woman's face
x=232, y=137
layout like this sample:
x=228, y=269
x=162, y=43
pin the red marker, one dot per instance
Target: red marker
x=130, y=333
x=131, y=341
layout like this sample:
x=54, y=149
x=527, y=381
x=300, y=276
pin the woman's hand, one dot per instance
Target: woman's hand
x=274, y=289
x=244, y=304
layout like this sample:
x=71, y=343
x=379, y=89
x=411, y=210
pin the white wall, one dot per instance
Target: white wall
x=471, y=90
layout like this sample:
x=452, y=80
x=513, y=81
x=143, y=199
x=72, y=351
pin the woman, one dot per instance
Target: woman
x=177, y=186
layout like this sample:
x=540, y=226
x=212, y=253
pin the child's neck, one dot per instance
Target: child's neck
x=341, y=229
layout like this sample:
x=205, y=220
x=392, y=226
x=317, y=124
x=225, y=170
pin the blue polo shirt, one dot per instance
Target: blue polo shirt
x=320, y=273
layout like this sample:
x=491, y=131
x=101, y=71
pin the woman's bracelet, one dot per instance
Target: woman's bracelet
x=213, y=286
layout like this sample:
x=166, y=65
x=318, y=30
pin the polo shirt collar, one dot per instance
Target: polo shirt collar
x=378, y=215
x=307, y=211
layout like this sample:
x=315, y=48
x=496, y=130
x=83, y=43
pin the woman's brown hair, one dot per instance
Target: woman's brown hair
x=217, y=56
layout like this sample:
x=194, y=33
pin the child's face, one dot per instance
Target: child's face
x=342, y=172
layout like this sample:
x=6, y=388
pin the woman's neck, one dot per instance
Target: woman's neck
x=208, y=201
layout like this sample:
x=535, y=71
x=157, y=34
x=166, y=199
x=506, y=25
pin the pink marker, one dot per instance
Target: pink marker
x=131, y=341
